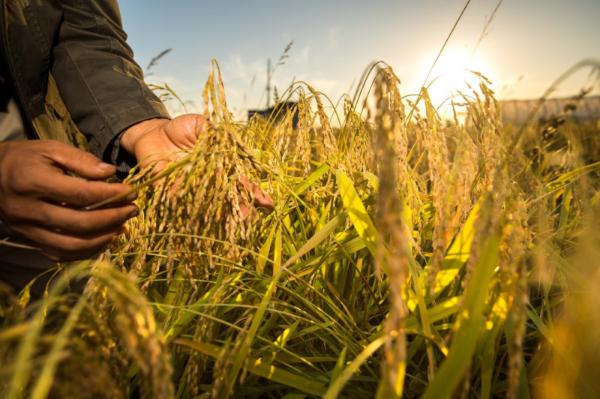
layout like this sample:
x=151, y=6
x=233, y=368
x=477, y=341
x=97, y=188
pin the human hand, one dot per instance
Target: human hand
x=39, y=202
x=153, y=141
x=262, y=200
x=158, y=140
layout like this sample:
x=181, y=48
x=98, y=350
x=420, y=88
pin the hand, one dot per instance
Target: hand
x=155, y=140
x=152, y=140
x=262, y=200
x=39, y=202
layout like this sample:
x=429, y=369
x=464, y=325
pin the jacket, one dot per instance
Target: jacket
x=73, y=72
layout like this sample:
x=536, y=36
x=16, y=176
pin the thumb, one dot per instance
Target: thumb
x=83, y=163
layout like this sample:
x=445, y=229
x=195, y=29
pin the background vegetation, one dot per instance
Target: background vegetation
x=407, y=257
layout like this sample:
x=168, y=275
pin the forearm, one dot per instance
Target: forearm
x=99, y=81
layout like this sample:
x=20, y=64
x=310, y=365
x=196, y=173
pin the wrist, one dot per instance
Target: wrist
x=131, y=136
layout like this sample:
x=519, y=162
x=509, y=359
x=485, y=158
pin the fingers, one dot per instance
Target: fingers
x=68, y=220
x=250, y=215
x=79, y=222
x=262, y=200
x=66, y=234
x=62, y=247
x=77, y=161
x=37, y=199
x=40, y=175
x=184, y=130
x=78, y=192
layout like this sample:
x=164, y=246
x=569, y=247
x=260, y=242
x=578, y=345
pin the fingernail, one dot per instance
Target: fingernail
x=104, y=166
x=131, y=197
x=133, y=214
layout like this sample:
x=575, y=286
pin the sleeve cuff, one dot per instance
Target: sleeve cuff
x=116, y=155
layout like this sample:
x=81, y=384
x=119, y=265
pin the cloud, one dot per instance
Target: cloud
x=323, y=85
x=235, y=68
x=304, y=54
x=334, y=36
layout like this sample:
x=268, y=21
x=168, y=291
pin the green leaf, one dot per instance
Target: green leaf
x=277, y=252
x=25, y=356
x=336, y=386
x=456, y=257
x=572, y=175
x=44, y=381
x=318, y=238
x=314, y=176
x=282, y=340
x=468, y=325
x=406, y=211
x=436, y=313
x=257, y=367
x=357, y=212
x=374, y=180
x=191, y=311
x=249, y=338
x=264, y=253
x=487, y=371
x=339, y=366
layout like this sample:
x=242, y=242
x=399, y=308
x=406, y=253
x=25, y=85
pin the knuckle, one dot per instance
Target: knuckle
x=81, y=195
x=84, y=158
x=16, y=211
x=49, y=147
x=84, y=225
x=68, y=245
x=20, y=185
x=73, y=245
x=52, y=143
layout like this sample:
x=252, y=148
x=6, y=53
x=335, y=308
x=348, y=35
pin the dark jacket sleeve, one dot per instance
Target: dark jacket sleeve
x=101, y=85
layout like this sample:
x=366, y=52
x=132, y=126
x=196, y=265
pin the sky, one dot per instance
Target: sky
x=528, y=44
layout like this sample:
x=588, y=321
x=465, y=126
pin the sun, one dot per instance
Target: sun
x=453, y=71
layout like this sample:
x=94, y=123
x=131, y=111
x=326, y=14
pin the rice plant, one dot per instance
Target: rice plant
x=407, y=256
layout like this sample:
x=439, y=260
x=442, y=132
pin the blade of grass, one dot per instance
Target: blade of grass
x=244, y=350
x=44, y=381
x=257, y=367
x=357, y=212
x=318, y=237
x=189, y=314
x=264, y=253
x=336, y=386
x=311, y=179
x=468, y=325
x=25, y=354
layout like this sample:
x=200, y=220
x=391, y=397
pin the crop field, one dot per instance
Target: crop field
x=407, y=256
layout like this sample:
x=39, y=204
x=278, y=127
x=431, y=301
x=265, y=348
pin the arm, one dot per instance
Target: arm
x=38, y=200
x=104, y=90
x=98, y=79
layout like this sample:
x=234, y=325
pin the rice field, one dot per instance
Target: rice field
x=407, y=256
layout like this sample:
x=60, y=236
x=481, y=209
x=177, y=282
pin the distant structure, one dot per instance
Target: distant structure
x=279, y=111
x=516, y=111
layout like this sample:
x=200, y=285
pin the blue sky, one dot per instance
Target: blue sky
x=334, y=41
